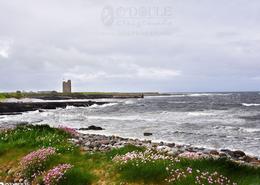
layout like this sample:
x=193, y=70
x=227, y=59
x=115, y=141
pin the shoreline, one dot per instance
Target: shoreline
x=12, y=108
x=98, y=142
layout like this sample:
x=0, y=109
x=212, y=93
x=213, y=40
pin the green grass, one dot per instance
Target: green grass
x=149, y=172
x=31, y=137
x=98, y=167
x=156, y=173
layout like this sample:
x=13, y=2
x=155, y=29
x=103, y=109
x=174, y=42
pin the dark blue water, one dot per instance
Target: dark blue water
x=213, y=120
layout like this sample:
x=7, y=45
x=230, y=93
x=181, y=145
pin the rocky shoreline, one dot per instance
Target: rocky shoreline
x=96, y=142
x=7, y=108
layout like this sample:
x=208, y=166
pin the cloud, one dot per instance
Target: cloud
x=202, y=46
x=5, y=46
x=136, y=73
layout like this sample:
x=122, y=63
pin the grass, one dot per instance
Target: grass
x=100, y=168
x=19, y=95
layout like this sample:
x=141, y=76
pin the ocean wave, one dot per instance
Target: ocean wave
x=165, y=96
x=200, y=114
x=121, y=118
x=208, y=94
x=102, y=106
x=23, y=100
x=250, y=104
x=250, y=130
x=129, y=102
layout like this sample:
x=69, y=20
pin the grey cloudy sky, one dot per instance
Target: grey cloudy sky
x=137, y=45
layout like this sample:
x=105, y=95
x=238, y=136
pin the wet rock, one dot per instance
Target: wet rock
x=148, y=134
x=171, y=145
x=92, y=127
x=11, y=107
x=238, y=153
x=214, y=152
x=161, y=143
x=222, y=155
x=249, y=159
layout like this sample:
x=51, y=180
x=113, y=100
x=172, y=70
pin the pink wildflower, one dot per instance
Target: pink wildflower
x=54, y=175
x=33, y=163
x=68, y=130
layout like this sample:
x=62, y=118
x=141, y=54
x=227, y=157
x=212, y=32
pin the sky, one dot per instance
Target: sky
x=130, y=46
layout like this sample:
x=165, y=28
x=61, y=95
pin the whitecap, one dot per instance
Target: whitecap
x=208, y=94
x=251, y=130
x=120, y=118
x=129, y=102
x=200, y=114
x=250, y=104
x=102, y=106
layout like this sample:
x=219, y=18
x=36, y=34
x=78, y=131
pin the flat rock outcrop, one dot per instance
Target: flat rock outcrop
x=14, y=108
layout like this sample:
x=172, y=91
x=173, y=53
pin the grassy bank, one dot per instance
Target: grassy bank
x=127, y=165
x=74, y=95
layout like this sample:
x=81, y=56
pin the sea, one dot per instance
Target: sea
x=211, y=120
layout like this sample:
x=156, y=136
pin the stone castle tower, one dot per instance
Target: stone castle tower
x=66, y=86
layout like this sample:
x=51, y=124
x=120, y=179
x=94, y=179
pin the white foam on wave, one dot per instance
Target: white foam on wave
x=120, y=118
x=208, y=94
x=250, y=104
x=190, y=95
x=24, y=100
x=200, y=114
x=129, y=102
x=103, y=106
x=251, y=130
x=165, y=96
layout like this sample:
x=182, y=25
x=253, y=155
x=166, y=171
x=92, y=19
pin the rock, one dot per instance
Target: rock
x=16, y=107
x=222, y=155
x=171, y=145
x=92, y=127
x=228, y=152
x=16, y=180
x=214, y=152
x=20, y=180
x=104, y=142
x=161, y=143
x=249, y=159
x=238, y=153
x=148, y=134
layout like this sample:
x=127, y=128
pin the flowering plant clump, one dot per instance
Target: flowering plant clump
x=35, y=162
x=146, y=156
x=193, y=155
x=200, y=177
x=70, y=131
x=55, y=175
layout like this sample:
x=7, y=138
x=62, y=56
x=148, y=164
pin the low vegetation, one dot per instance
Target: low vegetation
x=44, y=155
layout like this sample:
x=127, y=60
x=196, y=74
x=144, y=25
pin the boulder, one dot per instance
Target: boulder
x=214, y=152
x=92, y=127
x=148, y=134
x=171, y=145
x=238, y=153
